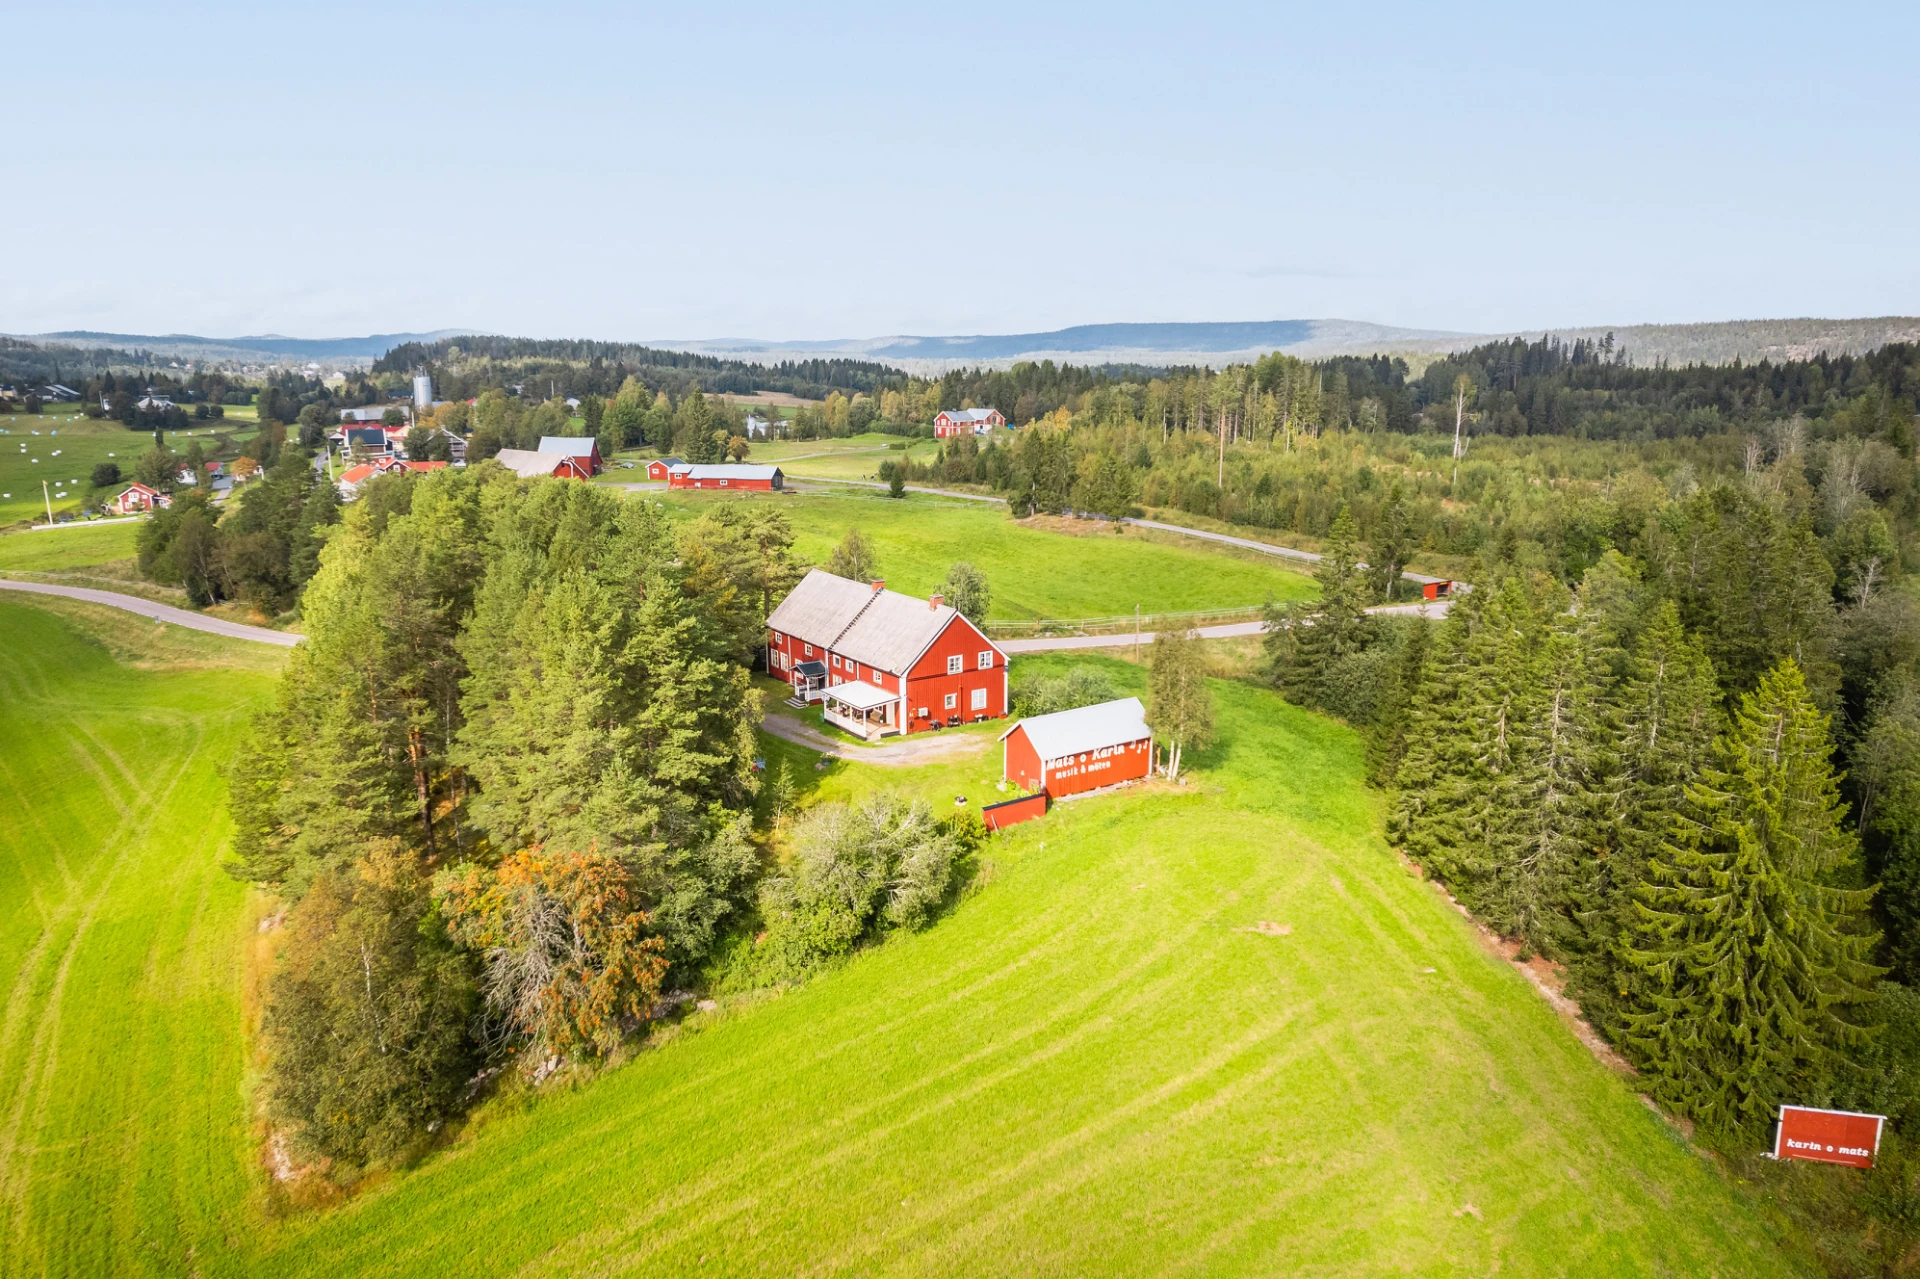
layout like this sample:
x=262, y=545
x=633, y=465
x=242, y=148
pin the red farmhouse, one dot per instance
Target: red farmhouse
x=882, y=662
x=953, y=422
x=139, y=497
x=724, y=477
x=661, y=468
x=1080, y=750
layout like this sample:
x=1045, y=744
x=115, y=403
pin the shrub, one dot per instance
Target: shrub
x=105, y=474
x=1081, y=686
x=857, y=870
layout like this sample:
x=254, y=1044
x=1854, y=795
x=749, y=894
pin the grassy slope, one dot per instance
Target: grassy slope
x=1034, y=573
x=67, y=548
x=123, y=1124
x=81, y=442
x=1090, y=1067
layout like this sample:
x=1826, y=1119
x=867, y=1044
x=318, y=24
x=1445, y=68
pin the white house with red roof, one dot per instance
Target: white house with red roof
x=881, y=662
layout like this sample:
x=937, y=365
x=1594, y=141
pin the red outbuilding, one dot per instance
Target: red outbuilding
x=732, y=477
x=955, y=422
x=661, y=468
x=1086, y=749
x=881, y=662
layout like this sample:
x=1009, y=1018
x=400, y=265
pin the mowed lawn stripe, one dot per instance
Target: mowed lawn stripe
x=121, y=1057
x=1093, y=1066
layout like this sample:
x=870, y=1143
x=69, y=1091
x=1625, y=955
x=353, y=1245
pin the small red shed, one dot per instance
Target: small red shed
x=1086, y=749
x=661, y=469
x=1437, y=590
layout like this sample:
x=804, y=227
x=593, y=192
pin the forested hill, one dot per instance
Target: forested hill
x=463, y=366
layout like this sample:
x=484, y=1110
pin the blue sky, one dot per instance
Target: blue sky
x=788, y=172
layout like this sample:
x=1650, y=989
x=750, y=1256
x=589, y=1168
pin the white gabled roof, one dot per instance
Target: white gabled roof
x=969, y=415
x=893, y=630
x=882, y=628
x=820, y=607
x=570, y=445
x=528, y=463
x=1088, y=728
x=729, y=471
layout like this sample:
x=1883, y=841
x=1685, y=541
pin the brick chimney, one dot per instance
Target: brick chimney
x=936, y=601
x=879, y=586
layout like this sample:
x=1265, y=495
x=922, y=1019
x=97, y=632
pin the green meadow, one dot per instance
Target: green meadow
x=1211, y=1029
x=1215, y=1028
x=68, y=547
x=124, y=1122
x=65, y=452
x=1035, y=572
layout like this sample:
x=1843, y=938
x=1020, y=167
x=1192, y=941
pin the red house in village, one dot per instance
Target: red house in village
x=137, y=498
x=881, y=662
x=1080, y=750
x=955, y=422
x=530, y=464
x=662, y=468
x=583, y=449
x=733, y=476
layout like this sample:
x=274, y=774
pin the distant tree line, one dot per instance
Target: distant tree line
x=462, y=367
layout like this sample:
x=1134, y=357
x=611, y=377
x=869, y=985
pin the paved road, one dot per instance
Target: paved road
x=1269, y=548
x=1436, y=609
x=158, y=612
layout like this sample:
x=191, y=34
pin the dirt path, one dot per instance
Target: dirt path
x=158, y=612
x=922, y=748
x=1435, y=609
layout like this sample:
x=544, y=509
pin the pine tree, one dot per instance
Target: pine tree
x=1664, y=719
x=1748, y=946
x=1302, y=644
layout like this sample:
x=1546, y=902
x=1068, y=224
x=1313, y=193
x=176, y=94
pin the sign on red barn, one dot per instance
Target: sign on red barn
x=1827, y=1136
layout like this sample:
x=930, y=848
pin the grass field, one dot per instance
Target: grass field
x=68, y=548
x=857, y=457
x=124, y=1138
x=80, y=442
x=1034, y=572
x=1096, y=1065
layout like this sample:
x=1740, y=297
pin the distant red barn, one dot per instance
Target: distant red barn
x=661, y=468
x=731, y=476
x=1068, y=752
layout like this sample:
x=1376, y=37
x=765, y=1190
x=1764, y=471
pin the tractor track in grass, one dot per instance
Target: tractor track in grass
x=27, y=1108
x=866, y=1137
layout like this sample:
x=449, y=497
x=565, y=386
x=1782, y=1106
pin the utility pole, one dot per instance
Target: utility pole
x=47, y=494
x=1136, y=632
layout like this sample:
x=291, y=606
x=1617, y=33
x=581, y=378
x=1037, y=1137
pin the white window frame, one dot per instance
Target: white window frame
x=986, y=659
x=955, y=664
x=953, y=702
x=979, y=699
x=809, y=650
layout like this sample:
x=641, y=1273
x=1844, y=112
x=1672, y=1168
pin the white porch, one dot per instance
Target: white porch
x=861, y=709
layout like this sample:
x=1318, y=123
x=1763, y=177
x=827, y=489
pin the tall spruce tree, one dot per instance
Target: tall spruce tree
x=1749, y=945
x=1303, y=644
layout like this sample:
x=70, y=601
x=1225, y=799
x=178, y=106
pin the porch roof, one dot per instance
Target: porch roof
x=860, y=695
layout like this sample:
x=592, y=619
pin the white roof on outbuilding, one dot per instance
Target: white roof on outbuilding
x=1087, y=728
x=570, y=445
x=527, y=463
x=730, y=471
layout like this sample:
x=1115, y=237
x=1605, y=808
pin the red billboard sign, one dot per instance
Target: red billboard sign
x=1827, y=1136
